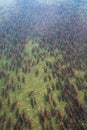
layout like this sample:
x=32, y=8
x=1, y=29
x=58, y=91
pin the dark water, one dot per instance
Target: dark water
x=22, y=18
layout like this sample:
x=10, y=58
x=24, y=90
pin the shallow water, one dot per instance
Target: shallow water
x=32, y=15
x=43, y=65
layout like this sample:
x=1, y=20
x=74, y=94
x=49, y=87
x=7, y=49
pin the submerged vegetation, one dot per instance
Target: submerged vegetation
x=43, y=68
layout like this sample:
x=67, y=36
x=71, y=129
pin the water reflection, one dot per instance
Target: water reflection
x=22, y=18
